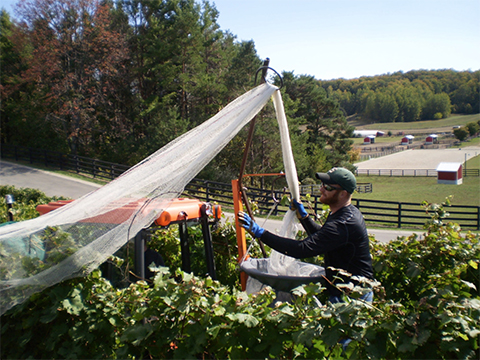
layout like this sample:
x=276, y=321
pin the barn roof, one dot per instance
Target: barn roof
x=449, y=166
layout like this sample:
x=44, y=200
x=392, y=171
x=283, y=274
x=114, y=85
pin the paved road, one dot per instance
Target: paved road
x=50, y=183
x=59, y=185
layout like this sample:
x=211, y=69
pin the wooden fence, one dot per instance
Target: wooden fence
x=387, y=213
x=410, y=172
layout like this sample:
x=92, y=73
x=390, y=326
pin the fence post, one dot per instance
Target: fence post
x=46, y=157
x=478, y=218
x=399, y=215
x=30, y=155
x=207, y=199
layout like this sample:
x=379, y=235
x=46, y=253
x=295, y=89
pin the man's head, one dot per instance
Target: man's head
x=339, y=176
x=337, y=189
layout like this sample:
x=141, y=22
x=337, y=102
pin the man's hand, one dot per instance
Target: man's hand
x=250, y=225
x=298, y=206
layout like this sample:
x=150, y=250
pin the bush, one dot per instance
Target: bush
x=26, y=200
x=472, y=128
x=461, y=134
x=426, y=306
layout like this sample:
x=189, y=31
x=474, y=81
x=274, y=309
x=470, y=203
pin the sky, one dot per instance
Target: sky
x=331, y=39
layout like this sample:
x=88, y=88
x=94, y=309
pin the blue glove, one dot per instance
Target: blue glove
x=301, y=212
x=250, y=225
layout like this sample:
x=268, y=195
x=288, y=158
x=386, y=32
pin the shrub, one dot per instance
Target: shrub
x=461, y=134
x=426, y=306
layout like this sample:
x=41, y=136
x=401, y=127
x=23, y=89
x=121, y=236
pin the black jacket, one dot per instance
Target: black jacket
x=343, y=240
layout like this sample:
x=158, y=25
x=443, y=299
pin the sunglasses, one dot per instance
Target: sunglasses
x=329, y=187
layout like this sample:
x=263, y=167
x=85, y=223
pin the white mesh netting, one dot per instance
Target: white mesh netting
x=90, y=229
x=282, y=272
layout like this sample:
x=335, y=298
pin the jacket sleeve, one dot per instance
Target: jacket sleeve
x=327, y=238
x=309, y=225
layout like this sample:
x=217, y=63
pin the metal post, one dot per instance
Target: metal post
x=9, y=200
x=399, y=215
x=241, y=239
x=140, y=254
x=244, y=160
x=478, y=218
x=207, y=239
x=184, y=248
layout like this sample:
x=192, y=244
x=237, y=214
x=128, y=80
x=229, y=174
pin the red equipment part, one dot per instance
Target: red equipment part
x=174, y=211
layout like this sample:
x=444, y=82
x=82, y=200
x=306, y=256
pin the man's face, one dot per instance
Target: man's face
x=331, y=196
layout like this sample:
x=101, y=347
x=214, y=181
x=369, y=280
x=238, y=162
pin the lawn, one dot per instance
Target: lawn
x=416, y=125
x=417, y=189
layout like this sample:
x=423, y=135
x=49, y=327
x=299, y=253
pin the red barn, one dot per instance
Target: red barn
x=449, y=173
x=369, y=140
x=407, y=139
x=431, y=139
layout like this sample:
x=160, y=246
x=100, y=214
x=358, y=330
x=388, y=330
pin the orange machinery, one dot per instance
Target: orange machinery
x=239, y=200
x=181, y=211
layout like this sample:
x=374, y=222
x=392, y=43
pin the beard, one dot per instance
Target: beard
x=330, y=200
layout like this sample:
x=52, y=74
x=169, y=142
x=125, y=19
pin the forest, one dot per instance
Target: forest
x=117, y=80
x=412, y=96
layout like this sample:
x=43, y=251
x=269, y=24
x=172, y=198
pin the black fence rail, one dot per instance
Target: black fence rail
x=471, y=172
x=314, y=189
x=412, y=214
x=387, y=213
x=55, y=160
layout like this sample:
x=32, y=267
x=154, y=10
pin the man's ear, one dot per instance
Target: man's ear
x=345, y=194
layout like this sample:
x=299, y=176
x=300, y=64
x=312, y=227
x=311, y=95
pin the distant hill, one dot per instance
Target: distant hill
x=408, y=97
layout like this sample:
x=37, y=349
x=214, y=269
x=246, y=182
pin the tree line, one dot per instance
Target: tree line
x=118, y=79
x=412, y=96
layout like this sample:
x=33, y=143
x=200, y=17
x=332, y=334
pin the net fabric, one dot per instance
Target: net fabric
x=76, y=238
x=282, y=272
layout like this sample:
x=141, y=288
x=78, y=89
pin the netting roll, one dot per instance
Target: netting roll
x=90, y=229
x=279, y=271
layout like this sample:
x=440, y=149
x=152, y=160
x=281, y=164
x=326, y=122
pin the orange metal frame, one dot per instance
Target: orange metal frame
x=238, y=195
x=175, y=210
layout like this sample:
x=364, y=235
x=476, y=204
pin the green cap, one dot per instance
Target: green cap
x=339, y=176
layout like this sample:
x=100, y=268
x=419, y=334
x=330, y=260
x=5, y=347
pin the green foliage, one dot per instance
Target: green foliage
x=473, y=128
x=406, y=97
x=26, y=200
x=167, y=243
x=461, y=134
x=426, y=306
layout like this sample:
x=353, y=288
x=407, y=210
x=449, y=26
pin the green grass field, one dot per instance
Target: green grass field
x=417, y=125
x=418, y=189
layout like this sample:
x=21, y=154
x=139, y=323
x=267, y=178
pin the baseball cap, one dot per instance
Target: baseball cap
x=339, y=176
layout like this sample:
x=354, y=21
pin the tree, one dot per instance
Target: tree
x=466, y=98
x=74, y=68
x=325, y=124
x=461, y=134
x=437, y=103
x=473, y=128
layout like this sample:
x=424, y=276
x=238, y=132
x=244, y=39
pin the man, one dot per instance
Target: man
x=343, y=239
